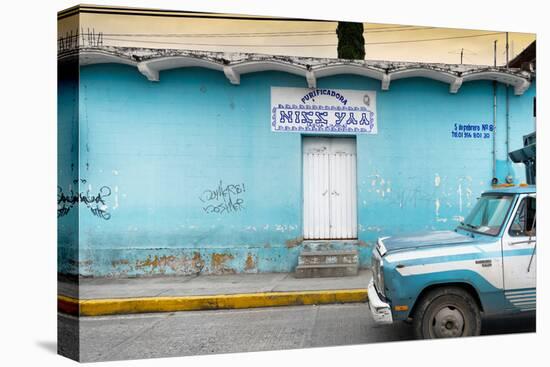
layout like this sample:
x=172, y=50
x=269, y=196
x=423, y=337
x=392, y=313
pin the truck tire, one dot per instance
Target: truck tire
x=447, y=312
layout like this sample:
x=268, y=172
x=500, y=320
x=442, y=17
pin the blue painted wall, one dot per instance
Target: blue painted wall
x=152, y=154
x=67, y=163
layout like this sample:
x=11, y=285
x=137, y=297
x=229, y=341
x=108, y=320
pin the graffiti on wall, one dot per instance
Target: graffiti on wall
x=95, y=202
x=223, y=199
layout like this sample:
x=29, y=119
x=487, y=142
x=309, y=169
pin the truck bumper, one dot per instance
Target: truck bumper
x=380, y=311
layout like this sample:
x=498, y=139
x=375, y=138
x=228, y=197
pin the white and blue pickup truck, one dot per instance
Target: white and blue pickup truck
x=444, y=281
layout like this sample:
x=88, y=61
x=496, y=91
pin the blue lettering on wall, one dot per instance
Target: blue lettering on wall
x=351, y=119
x=367, y=120
x=323, y=119
x=324, y=92
x=339, y=117
x=285, y=115
x=472, y=131
x=306, y=117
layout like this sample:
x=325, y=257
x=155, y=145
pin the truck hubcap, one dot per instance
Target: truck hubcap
x=448, y=322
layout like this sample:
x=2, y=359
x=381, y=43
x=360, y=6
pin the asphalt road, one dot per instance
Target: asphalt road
x=227, y=331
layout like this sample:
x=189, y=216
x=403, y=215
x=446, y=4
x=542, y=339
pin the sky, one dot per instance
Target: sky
x=390, y=42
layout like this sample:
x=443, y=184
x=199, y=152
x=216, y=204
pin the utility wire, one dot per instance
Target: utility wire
x=266, y=34
x=301, y=45
x=436, y=39
x=401, y=30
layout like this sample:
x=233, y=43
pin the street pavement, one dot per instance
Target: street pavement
x=228, y=331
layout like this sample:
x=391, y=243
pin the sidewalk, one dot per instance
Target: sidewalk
x=169, y=294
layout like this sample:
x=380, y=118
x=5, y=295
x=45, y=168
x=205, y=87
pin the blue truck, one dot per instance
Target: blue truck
x=444, y=281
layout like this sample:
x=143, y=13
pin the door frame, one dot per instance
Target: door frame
x=329, y=136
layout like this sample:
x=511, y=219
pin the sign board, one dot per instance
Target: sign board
x=323, y=110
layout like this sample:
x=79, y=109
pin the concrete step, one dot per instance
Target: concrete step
x=328, y=257
x=326, y=270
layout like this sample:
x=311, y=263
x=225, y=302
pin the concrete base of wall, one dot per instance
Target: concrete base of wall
x=138, y=262
x=326, y=270
x=327, y=263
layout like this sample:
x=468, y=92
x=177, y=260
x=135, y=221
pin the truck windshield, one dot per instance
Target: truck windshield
x=488, y=215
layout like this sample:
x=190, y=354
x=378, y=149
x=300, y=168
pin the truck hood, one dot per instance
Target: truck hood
x=423, y=239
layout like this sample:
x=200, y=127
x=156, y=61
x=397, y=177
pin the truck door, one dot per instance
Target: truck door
x=519, y=255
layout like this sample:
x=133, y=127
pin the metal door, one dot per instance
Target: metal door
x=330, y=189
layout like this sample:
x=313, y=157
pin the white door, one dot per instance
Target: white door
x=519, y=255
x=330, y=188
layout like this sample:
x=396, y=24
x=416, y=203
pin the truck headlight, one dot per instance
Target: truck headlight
x=380, y=246
x=378, y=272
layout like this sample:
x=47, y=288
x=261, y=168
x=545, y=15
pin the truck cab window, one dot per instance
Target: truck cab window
x=524, y=224
x=488, y=216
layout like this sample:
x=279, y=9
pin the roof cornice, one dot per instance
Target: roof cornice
x=150, y=62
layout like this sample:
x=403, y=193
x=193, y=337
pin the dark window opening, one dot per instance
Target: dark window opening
x=524, y=223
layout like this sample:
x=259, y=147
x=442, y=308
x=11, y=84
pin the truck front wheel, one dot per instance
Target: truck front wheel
x=447, y=312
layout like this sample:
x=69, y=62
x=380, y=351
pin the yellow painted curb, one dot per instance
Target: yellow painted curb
x=97, y=307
